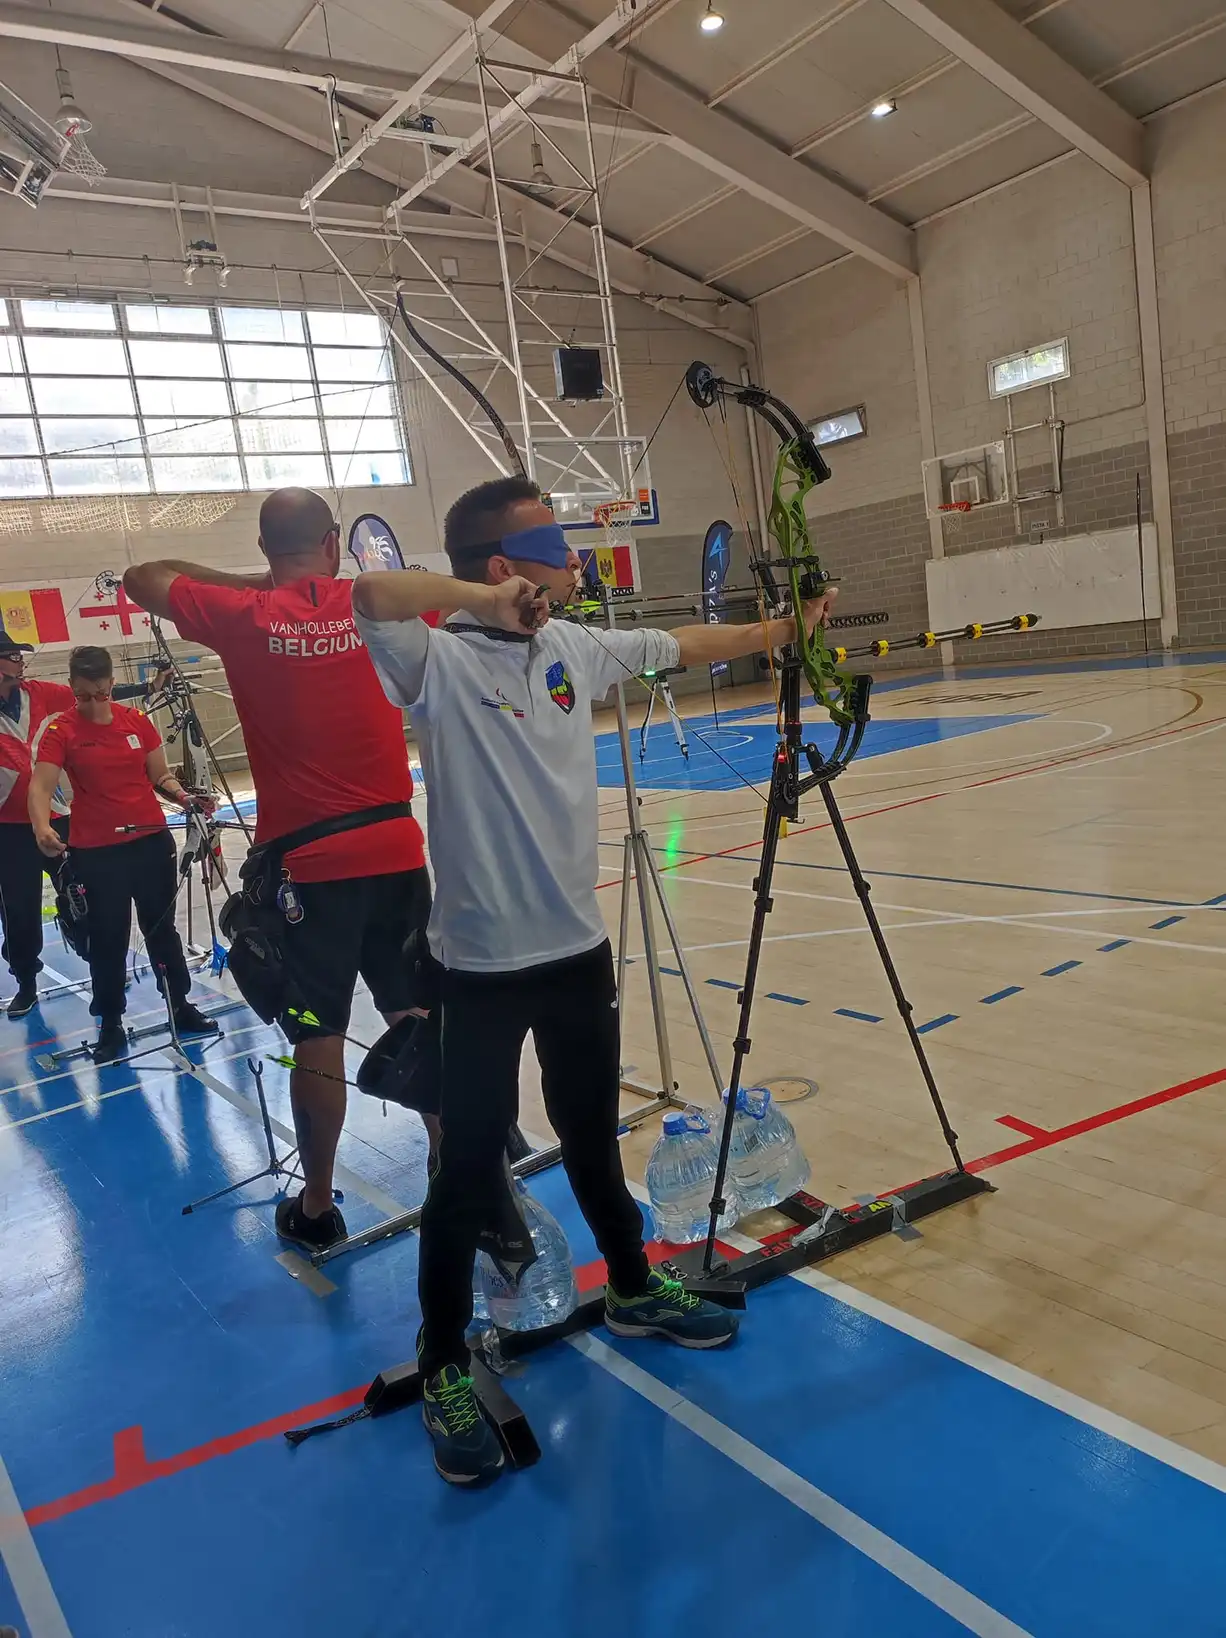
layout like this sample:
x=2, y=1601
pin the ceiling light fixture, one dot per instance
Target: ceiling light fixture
x=711, y=20
x=70, y=119
x=882, y=110
x=540, y=176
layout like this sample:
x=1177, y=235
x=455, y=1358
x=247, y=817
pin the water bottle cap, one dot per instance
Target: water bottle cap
x=684, y=1120
x=751, y=1100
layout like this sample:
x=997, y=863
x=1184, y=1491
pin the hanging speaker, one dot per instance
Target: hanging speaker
x=578, y=373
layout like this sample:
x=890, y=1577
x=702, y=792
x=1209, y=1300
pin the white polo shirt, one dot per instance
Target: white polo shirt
x=505, y=733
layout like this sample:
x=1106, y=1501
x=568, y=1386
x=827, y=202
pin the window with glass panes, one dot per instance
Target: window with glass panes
x=100, y=397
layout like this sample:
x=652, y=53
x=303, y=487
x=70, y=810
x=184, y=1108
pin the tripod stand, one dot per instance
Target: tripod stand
x=278, y=1165
x=787, y=787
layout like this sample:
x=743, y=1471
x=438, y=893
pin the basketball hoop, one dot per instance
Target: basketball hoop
x=616, y=518
x=954, y=513
x=79, y=161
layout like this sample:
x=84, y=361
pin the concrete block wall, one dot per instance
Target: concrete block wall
x=1048, y=257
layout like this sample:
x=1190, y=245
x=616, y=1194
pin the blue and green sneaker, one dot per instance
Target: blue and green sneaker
x=466, y=1448
x=667, y=1309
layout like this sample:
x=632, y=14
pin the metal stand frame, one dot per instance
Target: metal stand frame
x=820, y=1223
x=661, y=693
x=278, y=1165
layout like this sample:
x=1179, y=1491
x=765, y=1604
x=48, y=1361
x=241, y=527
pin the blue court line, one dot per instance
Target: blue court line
x=724, y=983
x=792, y=1000
x=1221, y=899
x=937, y=1023
x=1116, y=944
x=1064, y=967
x=1170, y=921
x=673, y=972
x=863, y=1017
x=1001, y=995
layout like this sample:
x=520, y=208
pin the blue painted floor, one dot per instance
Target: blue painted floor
x=723, y=758
x=938, y=1482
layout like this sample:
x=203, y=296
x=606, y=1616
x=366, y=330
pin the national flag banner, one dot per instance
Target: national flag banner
x=75, y=611
x=614, y=566
x=34, y=614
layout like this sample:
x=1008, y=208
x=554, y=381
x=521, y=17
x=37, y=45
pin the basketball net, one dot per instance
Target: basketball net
x=616, y=518
x=954, y=515
x=79, y=161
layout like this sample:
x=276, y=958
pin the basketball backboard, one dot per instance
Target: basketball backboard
x=578, y=475
x=971, y=477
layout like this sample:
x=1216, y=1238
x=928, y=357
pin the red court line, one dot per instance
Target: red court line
x=132, y=1468
x=1025, y=1127
x=1092, y=1123
x=935, y=796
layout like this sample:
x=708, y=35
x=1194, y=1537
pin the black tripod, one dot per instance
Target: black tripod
x=786, y=789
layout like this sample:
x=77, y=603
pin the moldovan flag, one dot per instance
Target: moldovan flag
x=34, y=616
x=613, y=566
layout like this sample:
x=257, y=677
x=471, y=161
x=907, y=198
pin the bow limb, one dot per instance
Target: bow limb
x=471, y=387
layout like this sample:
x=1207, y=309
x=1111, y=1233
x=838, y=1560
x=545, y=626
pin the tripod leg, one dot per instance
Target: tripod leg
x=776, y=810
x=648, y=862
x=863, y=890
x=623, y=925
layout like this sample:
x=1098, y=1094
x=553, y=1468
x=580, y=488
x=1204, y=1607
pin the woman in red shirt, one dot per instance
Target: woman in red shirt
x=122, y=850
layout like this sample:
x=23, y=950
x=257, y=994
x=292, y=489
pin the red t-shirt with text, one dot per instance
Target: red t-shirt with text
x=40, y=700
x=110, y=784
x=322, y=737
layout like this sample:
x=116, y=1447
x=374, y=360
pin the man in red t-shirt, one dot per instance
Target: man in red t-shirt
x=322, y=741
x=24, y=708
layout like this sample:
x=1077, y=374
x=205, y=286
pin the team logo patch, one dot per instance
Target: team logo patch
x=561, y=689
x=501, y=703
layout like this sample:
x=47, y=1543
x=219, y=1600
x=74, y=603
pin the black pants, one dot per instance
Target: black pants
x=571, y=1009
x=21, y=898
x=140, y=873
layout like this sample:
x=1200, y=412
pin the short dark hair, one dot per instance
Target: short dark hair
x=90, y=664
x=473, y=527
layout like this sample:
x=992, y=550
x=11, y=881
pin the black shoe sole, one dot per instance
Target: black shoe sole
x=300, y=1240
x=14, y=1011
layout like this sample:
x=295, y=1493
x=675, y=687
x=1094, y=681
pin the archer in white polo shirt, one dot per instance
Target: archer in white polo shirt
x=500, y=700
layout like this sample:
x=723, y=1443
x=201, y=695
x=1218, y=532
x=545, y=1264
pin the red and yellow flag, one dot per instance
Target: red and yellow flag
x=35, y=615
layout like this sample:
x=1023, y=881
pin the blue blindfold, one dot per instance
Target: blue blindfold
x=545, y=544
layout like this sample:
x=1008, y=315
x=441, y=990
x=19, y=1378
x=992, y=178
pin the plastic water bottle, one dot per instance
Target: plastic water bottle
x=545, y=1292
x=680, y=1179
x=766, y=1161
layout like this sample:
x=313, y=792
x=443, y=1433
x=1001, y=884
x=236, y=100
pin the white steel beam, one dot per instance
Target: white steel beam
x=1000, y=49
x=408, y=100
x=568, y=61
x=722, y=145
x=161, y=42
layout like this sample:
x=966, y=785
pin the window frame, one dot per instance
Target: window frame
x=1028, y=352
x=335, y=465
x=834, y=415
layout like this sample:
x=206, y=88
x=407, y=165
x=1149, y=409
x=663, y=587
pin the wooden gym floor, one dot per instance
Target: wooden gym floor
x=1051, y=888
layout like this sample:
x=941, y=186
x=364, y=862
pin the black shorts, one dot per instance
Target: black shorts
x=349, y=928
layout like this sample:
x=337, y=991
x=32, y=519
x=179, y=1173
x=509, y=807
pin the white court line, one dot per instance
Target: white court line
x=892, y=1556
x=1163, y=1450
x=25, y=1567
x=65, y=1108
x=949, y=918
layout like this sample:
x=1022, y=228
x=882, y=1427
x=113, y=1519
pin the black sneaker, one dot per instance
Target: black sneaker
x=23, y=1002
x=112, y=1041
x=466, y=1448
x=189, y=1020
x=311, y=1233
